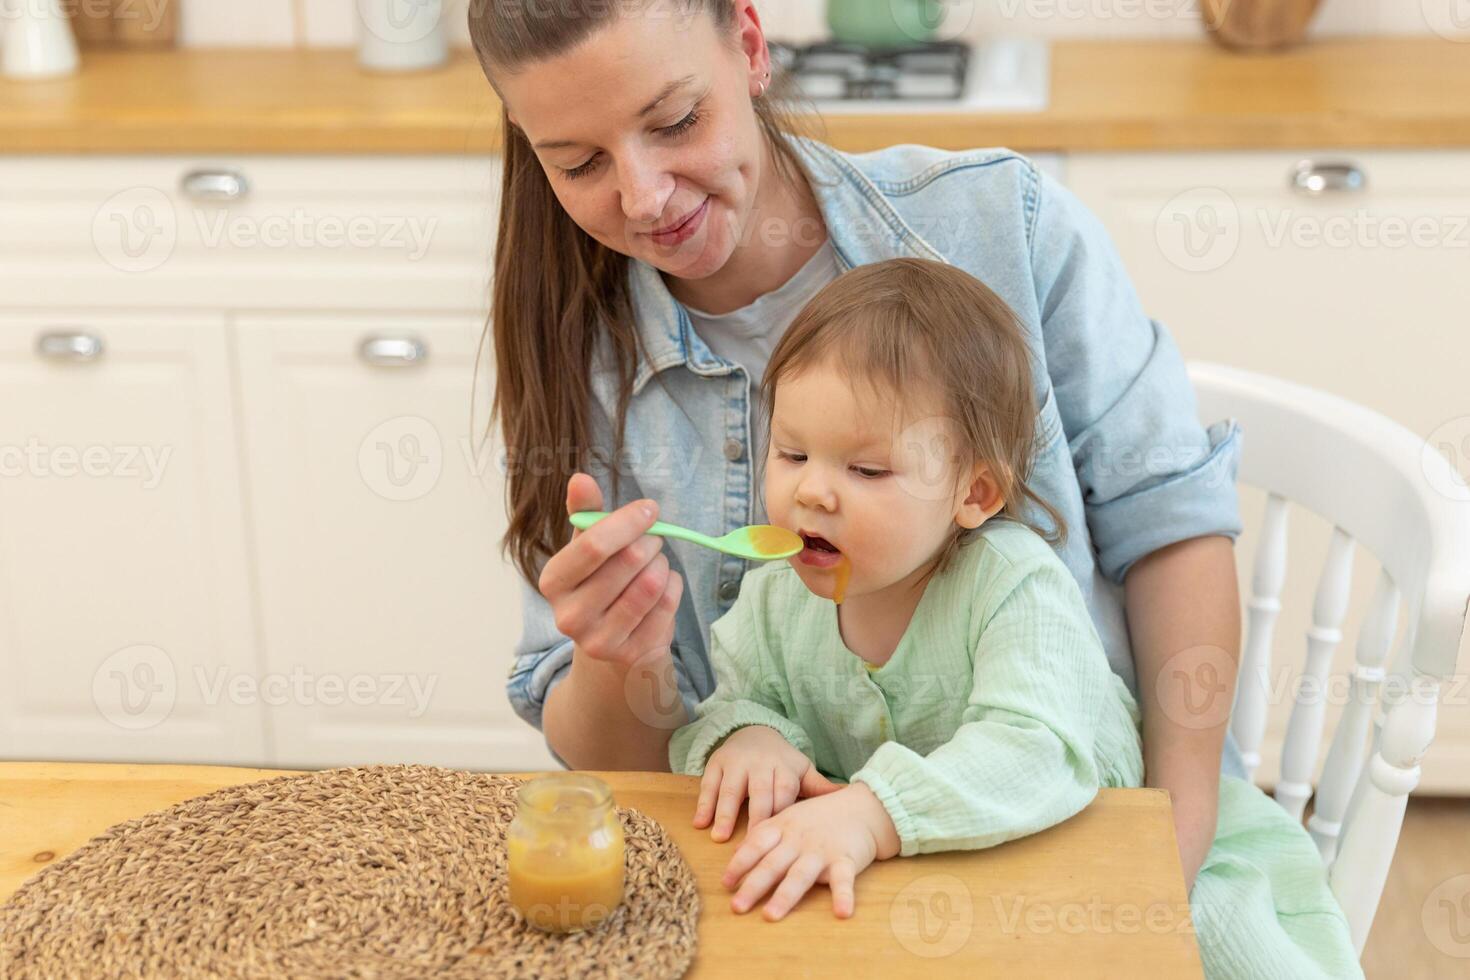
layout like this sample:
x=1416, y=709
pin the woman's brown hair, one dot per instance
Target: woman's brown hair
x=556, y=287
x=906, y=326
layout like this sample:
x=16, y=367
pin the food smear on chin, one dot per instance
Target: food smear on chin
x=844, y=572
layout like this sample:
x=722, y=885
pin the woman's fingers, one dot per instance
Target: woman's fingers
x=656, y=632
x=583, y=493
x=709, y=791
x=630, y=608
x=566, y=570
x=727, y=805
x=764, y=875
x=798, y=882
x=840, y=877
x=610, y=591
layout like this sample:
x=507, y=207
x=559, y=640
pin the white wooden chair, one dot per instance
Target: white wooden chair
x=1371, y=479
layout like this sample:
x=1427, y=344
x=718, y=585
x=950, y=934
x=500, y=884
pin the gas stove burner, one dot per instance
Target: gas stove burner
x=831, y=70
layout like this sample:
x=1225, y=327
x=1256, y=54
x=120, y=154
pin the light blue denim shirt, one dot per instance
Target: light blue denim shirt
x=1119, y=449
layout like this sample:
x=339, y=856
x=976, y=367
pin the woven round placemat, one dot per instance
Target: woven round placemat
x=371, y=871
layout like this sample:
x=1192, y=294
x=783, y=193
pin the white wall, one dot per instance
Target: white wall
x=330, y=23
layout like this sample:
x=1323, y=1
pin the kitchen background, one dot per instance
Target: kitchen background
x=286, y=552
x=330, y=23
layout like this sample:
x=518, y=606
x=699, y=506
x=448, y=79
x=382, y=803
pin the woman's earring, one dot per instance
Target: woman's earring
x=764, y=82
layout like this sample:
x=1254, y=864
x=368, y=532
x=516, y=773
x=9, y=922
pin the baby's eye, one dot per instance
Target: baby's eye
x=794, y=457
x=869, y=473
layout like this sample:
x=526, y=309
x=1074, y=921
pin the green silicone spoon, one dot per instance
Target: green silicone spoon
x=758, y=542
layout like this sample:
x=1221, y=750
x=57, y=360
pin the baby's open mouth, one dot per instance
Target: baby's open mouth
x=817, y=543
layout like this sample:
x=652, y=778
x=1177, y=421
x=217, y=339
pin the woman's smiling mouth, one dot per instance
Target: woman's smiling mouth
x=682, y=231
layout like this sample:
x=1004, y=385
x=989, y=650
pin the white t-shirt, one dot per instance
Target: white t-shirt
x=747, y=336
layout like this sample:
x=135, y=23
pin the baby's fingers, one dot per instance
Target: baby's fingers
x=840, y=876
x=763, y=876
x=785, y=790
x=755, y=846
x=727, y=807
x=760, y=798
x=709, y=789
x=798, y=882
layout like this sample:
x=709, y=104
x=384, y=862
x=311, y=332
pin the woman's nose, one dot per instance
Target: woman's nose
x=645, y=189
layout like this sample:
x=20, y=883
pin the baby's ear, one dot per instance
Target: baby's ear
x=984, y=500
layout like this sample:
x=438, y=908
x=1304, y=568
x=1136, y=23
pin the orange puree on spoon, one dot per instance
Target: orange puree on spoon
x=771, y=540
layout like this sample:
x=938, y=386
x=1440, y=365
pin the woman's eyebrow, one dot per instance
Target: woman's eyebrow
x=667, y=91
x=664, y=93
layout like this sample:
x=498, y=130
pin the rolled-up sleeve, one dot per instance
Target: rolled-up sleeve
x=1150, y=473
x=542, y=657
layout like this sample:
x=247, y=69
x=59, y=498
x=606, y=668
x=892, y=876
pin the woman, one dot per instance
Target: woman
x=659, y=229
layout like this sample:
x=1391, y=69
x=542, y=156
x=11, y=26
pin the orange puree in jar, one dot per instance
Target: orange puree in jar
x=565, y=853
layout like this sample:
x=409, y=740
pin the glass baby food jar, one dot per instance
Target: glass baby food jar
x=565, y=853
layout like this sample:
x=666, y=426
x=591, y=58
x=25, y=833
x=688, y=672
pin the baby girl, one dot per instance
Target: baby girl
x=925, y=676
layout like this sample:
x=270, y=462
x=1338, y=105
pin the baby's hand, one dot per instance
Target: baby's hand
x=831, y=840
x=759, y=761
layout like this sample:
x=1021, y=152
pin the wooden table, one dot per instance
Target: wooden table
x=1101, y=895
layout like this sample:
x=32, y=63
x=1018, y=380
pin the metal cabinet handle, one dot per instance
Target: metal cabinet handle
x=69, y=345
x=392, y=351
x=1313, y=178
x=214, y=185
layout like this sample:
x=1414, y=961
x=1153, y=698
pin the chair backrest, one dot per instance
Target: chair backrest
x=1383, y=489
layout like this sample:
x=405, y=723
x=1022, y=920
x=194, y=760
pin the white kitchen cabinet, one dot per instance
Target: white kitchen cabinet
x=377, y=531
x=328, y=599
x=248, y=231
x=1353, y=278
x=124, y=585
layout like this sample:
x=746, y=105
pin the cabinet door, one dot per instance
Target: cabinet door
x=285, y=232
x=388, y=612
x=124, y=598
x=1346, y=271
x=1359, y=288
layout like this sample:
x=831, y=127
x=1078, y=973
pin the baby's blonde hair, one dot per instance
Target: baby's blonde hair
x=914, y=325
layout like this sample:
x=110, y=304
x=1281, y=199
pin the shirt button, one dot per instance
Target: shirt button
x=729, y=591
x=733, y=449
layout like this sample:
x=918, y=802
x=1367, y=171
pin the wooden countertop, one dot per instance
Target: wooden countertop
x=1101, y=895
x=1106, y=95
